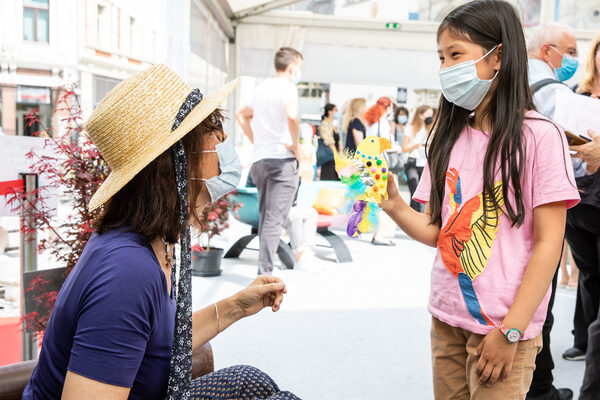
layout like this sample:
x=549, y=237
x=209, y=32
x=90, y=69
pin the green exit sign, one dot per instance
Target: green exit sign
x=393, y=25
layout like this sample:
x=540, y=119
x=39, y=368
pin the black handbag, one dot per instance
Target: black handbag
x=324, y=153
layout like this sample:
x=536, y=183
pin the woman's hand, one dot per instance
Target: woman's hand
x=264, y=291
x=496, y=356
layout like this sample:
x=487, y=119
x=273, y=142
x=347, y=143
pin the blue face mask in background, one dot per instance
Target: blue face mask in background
x=297, y=77
x=402, y=119
x=567, y=68
x=461, y=84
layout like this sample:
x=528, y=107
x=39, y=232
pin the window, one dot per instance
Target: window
x=102, y=26
x=35, y=20
x=135, y=42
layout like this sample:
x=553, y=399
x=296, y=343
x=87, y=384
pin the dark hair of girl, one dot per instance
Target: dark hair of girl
x=487, y=23
x=328, y=107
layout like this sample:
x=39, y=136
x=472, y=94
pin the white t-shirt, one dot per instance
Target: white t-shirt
x=420, y=137
x=269, y=122
x=381, y=129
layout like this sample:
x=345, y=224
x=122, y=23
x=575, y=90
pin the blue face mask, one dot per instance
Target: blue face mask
x=297, y=77
x=229, y=163
x=462, y=86
x=336, y=115
x=402, y=119
x=567, y=68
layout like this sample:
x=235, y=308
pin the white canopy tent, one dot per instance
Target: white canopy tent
x=341, y=50
x=404, y=56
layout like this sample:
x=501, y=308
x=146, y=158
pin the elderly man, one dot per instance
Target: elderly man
x=590, y=153
x=552, y=60
x=552, y=52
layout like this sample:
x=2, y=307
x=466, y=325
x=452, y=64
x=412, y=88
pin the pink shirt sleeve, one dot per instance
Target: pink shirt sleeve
x=423, y=191
x=553, y=179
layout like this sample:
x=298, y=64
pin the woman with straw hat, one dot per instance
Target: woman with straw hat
x=123, y=326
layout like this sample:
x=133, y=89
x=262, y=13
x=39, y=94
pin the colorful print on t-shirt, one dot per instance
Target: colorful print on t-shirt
x=465, y=242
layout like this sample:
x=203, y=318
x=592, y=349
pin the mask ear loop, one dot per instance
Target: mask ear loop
x=488, y=53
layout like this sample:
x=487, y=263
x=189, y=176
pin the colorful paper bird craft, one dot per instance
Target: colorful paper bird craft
x=365, y=173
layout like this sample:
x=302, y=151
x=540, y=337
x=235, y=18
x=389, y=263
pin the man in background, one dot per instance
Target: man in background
x=552, y=55
x=273, y=112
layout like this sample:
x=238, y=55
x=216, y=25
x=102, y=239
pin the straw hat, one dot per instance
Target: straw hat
x=133, y=124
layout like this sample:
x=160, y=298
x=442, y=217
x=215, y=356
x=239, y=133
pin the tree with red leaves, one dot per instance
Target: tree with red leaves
x=78, y=169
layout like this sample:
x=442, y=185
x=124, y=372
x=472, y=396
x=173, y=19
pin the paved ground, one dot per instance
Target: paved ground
x=352, y=331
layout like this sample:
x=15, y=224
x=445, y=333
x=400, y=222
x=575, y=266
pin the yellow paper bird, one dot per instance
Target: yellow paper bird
x=366, y=174
x=370, y=152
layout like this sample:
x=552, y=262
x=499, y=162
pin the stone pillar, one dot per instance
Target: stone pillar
x=9, y=110
x=548, y=11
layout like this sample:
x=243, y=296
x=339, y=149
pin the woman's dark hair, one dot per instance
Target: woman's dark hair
x=149, y=204
x=328, y=108
x=487, y=23
x=398, y=111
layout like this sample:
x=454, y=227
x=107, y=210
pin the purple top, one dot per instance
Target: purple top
x=113, y=321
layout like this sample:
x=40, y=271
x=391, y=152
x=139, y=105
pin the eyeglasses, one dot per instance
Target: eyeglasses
x=571, y=52
x=220, y=135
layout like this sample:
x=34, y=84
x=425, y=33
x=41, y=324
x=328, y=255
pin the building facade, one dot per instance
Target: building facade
x=93, y=45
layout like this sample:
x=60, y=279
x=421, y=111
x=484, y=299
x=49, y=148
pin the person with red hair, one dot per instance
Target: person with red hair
x=375, y=116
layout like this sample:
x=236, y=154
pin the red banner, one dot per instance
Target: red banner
x=7, y=187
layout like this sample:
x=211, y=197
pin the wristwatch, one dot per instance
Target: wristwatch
x=512, y=335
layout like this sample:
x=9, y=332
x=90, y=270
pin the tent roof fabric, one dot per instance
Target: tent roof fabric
x=244, y=8
x=239, y=5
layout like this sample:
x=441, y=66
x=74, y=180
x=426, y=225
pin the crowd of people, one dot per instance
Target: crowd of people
x=495, y=188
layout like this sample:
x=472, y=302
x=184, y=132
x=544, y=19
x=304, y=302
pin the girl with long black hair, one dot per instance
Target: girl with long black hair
x=496, y=186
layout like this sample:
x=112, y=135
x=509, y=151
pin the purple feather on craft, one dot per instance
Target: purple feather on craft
x=355, y=218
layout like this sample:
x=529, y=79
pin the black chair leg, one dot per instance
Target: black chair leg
x=239, y=246
x=337, y=244
x=286, y=255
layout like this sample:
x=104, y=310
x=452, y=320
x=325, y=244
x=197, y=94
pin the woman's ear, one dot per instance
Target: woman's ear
x=498, y=58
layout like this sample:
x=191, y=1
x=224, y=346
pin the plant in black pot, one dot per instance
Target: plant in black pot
x=206, y=259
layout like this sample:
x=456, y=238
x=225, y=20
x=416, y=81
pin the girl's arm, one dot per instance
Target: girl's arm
x=549, y=229
x=415, y=224
x=548, y=232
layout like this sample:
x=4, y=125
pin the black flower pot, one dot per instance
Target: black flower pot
x=207, y=263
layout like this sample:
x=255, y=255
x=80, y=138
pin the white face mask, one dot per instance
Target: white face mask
x=462, y=86
x=229, y=163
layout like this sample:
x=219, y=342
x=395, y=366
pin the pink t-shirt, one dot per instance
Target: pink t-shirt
x=479, y=266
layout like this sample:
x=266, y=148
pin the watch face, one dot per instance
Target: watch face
x=513, y=335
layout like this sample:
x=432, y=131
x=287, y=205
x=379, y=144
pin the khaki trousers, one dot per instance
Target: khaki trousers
x=454, y=360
